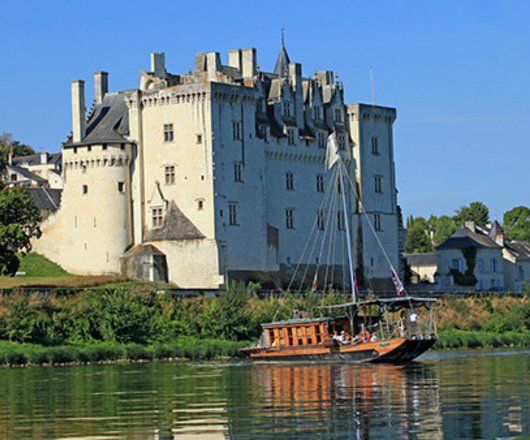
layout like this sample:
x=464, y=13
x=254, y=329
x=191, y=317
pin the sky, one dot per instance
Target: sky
x=457, y=71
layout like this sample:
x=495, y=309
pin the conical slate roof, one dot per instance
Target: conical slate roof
x=282, y=63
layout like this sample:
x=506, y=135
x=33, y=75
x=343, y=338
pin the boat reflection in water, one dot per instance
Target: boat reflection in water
x=355, y=401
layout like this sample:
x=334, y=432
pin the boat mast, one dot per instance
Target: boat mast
x=341, y=166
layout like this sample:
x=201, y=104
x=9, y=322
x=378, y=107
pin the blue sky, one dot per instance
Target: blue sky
x=458, y=73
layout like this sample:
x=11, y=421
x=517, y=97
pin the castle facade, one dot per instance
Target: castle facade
x=218, y=174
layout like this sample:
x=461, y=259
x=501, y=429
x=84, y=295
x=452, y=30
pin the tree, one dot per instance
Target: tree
x=7, y=142
x=517, y=223
x=442, y=227
x=418, y=239
x=476, y=212
x=19, y=223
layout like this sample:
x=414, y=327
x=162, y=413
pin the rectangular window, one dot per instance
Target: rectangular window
x=85, y=189
x=13, y=178
x=289, y=181
x=320, y=220
x=320, y=183
x=290, y=137
x=169, y=171
x=157, y=217
x=456, y=264
x=168, y=133
x=493, y=265
x=121, y=187
x=287, y=108
x=238, y=176
x=236, y=131
x=340, y=221
x=338, y=115
x=321, y=140
x=375, y=146
x=199, y=139
x=232, y=214
x=342, y=142
x=317, y=113
x=289, y=218
x=377, y=221
x=378, y=183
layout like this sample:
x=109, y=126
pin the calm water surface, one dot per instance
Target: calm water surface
x=480, y=395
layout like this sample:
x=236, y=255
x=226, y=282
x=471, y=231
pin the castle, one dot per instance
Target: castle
x=218, y=174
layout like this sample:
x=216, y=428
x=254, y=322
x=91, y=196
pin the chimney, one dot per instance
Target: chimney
x=295, y=75
x=158, y=64
x=248, y=61
x=470, y=225
x=78, y=110
x=10, y=156
x=44, y=157
x=101, y=85
x=234, y=59
x=324, y=77
x=213, y=65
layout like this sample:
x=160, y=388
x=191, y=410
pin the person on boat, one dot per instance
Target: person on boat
x=413, y=321
x=344, y=338
x=402, y=324
x=364, y=336
x=336, y=337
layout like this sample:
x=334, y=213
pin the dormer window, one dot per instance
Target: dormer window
x=157, y=217
x=321, y=139
x=290, y=137
x=338, y=115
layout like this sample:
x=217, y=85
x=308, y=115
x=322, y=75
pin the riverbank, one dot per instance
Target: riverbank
x=184, y=348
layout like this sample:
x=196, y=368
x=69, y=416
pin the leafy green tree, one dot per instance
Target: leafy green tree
x=418, y=236
x=476, y=212
x=19, y=223
x=442, y=228
x=517, y=223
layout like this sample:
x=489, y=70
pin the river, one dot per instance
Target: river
x=443, y=395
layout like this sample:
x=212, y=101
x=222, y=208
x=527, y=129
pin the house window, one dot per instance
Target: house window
x=168, y=133
x=494, y=265
x=290, y=137
x=121, y=187
x=232, y=214
x=340, y=220
x=85, y=189
x=338, y=115
x=157, y=217
x=169, y=171
x=236, y=131
x=317, y=113
x=200, y=205
x=287, y=108
x=375, y=146
x=13, y=177
x=377, y=221
x=199, y=139
x=238, y=177
x=262, y=131
x=378, y=181
x=320, y=220
x=320, y=183
x=321, y=140
x=289, y=181
x=289, y=218
x=456, y=264
x=492, y=284
x=342, y=142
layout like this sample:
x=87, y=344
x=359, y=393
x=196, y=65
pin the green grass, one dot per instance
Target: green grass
x=452, y=339
x=13, y=354
x=36, y=265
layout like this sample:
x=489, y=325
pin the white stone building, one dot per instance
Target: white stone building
x=218, y=174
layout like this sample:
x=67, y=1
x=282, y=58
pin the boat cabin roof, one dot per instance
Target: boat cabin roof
x=390, y=304
x=292, y=322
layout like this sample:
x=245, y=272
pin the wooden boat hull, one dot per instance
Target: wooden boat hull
x=394, y=351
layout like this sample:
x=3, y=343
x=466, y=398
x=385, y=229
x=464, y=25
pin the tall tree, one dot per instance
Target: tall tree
x=517, y=223
x=442, y=228
x=418, y=236
x=477, y=212
x=8, y=142
x=19, y=223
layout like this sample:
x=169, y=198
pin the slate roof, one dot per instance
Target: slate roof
x=282, y=63
x=176, y=227
x=520, y=249
x=27, y=174
x=425, y=259
x=108, y=122
x=143, y=249
x=34, y=159
x=46, y=199
x=465, y=237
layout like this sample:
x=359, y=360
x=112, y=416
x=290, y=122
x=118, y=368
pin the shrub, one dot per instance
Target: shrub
x=15, y=358
x=62, y=355
x=137, y=352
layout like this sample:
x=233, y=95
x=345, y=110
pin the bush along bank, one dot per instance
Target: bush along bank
x=138, y=322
